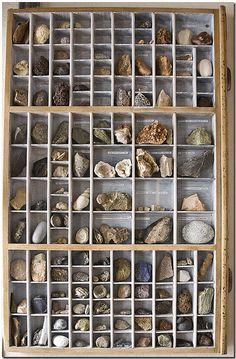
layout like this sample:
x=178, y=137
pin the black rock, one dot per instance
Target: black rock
x=163, y=307
x=40, y=168
x=184, y=323
x=61, y=69
x=203, y=324
x=39, y=206
x=41, y=67
x=183, y=343
x=204, y=101
x=40, y=98
x=18, y=162
x=102, y=262
x=39, y=304
x=81, y=87
x=81, y=258
x=60, y=260
x=20, y=134
x=61, y=135
x=61, y=94
x=80, y=136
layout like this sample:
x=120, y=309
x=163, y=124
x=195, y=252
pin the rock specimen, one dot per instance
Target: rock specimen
x=80, y=136
x=144, y=323
x=202, y=39
x=79, y=308
x=40, y=232
x=61, y=94
x=15, y=331
x=41, y=67
x=123, y=67
x=18, y=269
x=59, y=155
x=184, y=262
x=80, y=343
x=184, y=37
x=22, y=307
x=142, y=291
x=199, y=136
x=102, y=135
x=122, y=343
x=163, y=293
x=192, y=203
x=165, y=269
x=115, y=201
x=21, y=97
x=121, y=324
x=124, y=291
x=207, y=262
x=146, y=163
x=18, y=163
x=61, y=135
x=198, y=232
x=19, y=201
x=61, y=69
x=60, y=324
x=39, y=304
x=19, y=230
x=40, y=98
x=193, y=166
x=153, y=133
x=164, y=67
x=21, y=68
x=82, y=201
x=60, y=171
x=81, y=293
x=164, y=99
x=157, y=232
x=102, y=71
x=164, y=325
x=164, y=340
x=163, y=36
x=82, y=235
x=80, y=277
x=61, y=55
x=21, y=33
x=205, y=68
x=205, y=298
x=183, y=343
x=60, y=260
x=164, y=307
x=204, y=101
x=114, y=234
x=184, y=301
x=103, y=341
x=104, y=170
x=19, y=135
x=82, y=324
x=41, y=34
x=142, y=311
x=39, y=133
x=122, y=269
x=59, y=275
x=123, y=134
x=38, y=268
x=101, y=308
x=80, y=164
x=166, y=167
x=60, y=341
x=123, y=97
x=143, y=272
x=143, y=341
x=183, y=276
x=141, y=100
x=184, y=323
x=39, y=168
x=142, y=68
x=123, y=168
x=100, y=291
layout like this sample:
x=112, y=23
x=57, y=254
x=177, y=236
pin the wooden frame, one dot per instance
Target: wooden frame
x=222, y=196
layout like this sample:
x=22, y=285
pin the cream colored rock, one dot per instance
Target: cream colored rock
x=192, y=203
x=146, y=163
x=38, y=268
x=19, y=200
x=40, y=232
x=184, y=37
x=82, y=235
x=205, y=68
x=41, y=34
x=123, y=168
x=166, y=166
x=164, y=99
x=21, y=68
x=123, y=134
x=104, y=170
x=82, y=201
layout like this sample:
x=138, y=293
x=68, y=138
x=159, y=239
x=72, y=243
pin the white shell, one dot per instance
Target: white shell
x=39, y=232
x=205, y=68
x=82, y=201
x=184, y=37
x=123, y=168
x=60, y=341
x=104, y=170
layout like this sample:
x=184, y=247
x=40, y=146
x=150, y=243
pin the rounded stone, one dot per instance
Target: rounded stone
x=79, y=308
x=205, y=68
x=59, y=275
x=198, y=232
x=122, y=269
x=99, y=291
x=124, y=291
x=80, y=277
x=60, y=341
x=18, y=269
x=103, y=341
x=82, y=324
x=184, y=301
x=40, y=232
x=82, y=235
x=41, y=34
x=184, y=323
x=60, y=324
x=184, y=37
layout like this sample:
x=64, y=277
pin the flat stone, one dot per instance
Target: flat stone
x=40, y=98
x=19, y=201
x=80, y=277
x=143, y=272
x=102, y=135
x=22, y=307
x=205, y=298
x=184, y=301
x=164, y=100
x=123, y=134
x=61, y=94
x=60, y=324
x=153, y=133
x=39, y=304
x=80, y=136
x=81, y=292
x=21, y=33
x=21, y=97
x=163, y=36
x=183, y=276
x=199, y=136
x=115, y=201
x=198, y=232
x=184, y=323
x=122, y=269
x=164, y=67
x=81, y=164
x=164, y=340
x=193, y=166
x=164, y=325
x=61, y=135
x=123, y=67
x=143, y=291
x=103, y=341
x=60, y=341
x=146, y=163
x=164, y=307
x=41, y=34
x=18, y=269
x=20, y=134
x=203, y=38
x=144, y=323
x=104, y=170
x=124, y=291
x=40, y=232
x=19, y=230
x=143, y=342
x=58, y=294
x=38, y=268
x=192, y=203
x=82, y=201
x=39, y=133
x=21, y=68
x=59, y=275
x=184, y=37
x=82, y=235
x=166, y=166
x=41, y=67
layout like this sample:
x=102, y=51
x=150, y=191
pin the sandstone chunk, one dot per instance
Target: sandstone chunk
x=38, y=268
x=207, y=262
x=192, y=203
x=115, y=201
x=165, y=269
x=164, y=67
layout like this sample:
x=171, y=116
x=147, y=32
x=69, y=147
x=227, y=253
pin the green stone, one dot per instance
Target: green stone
x=199, y=136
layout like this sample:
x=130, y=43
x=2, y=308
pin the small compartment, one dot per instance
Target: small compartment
x=18, y=83
x=122, y=341
x=40, y=84
x=102, y=84
x=38, y=219
x=203, y=169
x=122, y=20
x=38, y=154
x=184, y=339
x=80, y=228
x=164, y=20
x=80, y=259
x=18, y=56
x=102, y=99
x=140, y=339
x=102, y=52
x=14, y=276
x=184, y=99
x=82, y=36
x=61, y=20
x=82, y=69
x=143, y=20
x=101, y=259
x=102, y=20
x=165, y=84
x=18, y=128
x=143, y=38
x=143, y=220
x=59, y=235
x=80, y=122
x=15, y=186
x=118, y=276
x=39, y=19
x=119, y=52
x=206, y=264
x=187, y=124
x=82, y=20
x=18, y=162
x=164, y=325
x=38, y=196
x=80, y=337
x=123, y=36
x=195, y=22
x=102, y=36
x=184, y=219
x=18, y=225
x=143, y=267
x=205, y=86
x=184, y=86
x=82, y=52
x=184, y=69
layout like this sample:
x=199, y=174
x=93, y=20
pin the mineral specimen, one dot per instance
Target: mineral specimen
x=199, y=136
x=64, y=40
x=122, y=269
x=60, y=324
x=101, y=308
x=154, y=133
x=146, y=164
x=143, y=311
x=40, y=232
x=102, y=135
x=183, y=276
x=82, y=324
x=81, y=293
x=19, y=230
x=205, y=298
x=56, y=220
x=184, y=262
x=80, y=277
x=103, y=341
x=183, y=343
x=164, y=307
x=41, y=34
x=164, y=325
x=205, y=339
x=142, y=291
x=61, y=135
x=123, y=97
x=145, y=24
x=143, y=272
x=192, y=203
x=80, y=165
x=142, y=68
x=59, y=155
x=121, y=324
x=41, y=67
x=123, y=134
x=141, y=100
x=184, y=301
x=104, y=276
x=123, y=67
x=61, y=69
x=207, y=262
x=145, y=323
x=204, y=101
x=39, y=133
x=166, y=166
x=164, y=67
x=163, y=293
x=102, y=71
x=115, y=201
x=123, y=168
x=184, y=323
x=115, y=234
x=80, y=136
x=60, y=341
x=202, y=39
x=39, y=304
x=198, y=232
x=164, y=340
x=18, y=269
x=143, y=341
x=100, y=291
x=104, y=170
x=38, y=268
x=124, y=291
x=40, y=98
x=59, y=275
x=61, y=55
x=64, y=25
x=193, y=166
x=19, y=201
x=21, y=68
x=157, y=232
x=82, y=235
x=60, y=171
x=205, y=68
x=163, y=36
x=60, y=260
x=164, y=99
x=15, y=331
x=61, y=94
x=21, y=97
x=184, y=37
x=165, y=269
x=79, y=308
x=21, y=33
x=82, y=201
x=19, y=135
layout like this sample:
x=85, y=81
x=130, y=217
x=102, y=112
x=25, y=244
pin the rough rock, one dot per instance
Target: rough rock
x=164, y=325
x=81, y=258
x=164, y=67
x=80, y=164
x=145, y=323
x=103, y=341
x=193, y=166
x=39, y=304
x=165, y=269
x=19, y=201
x=145, y=24
x=61, y=135
x=102, y=135
x=104, y=170
x=143, y=341
x=163, y=36
x=184, y=301
x=40, y=232
x=82, y=201
x=164, y=340
x=199, y=136
x=164, y=307
x=203, y=38
x=162, y=293
x=80, y=277
x=123, y=67
x=39, y=268
x=122, y=269
x=157, y=232
x=19, y=230
x=123, y=97
x=183, y=276
x=18, y=269
x=21, y=97
x=192, y=203
x=64, y=40
x=20, y=134
x=184, y=323
x=141, y=100
x=143, y=272
x=123, y=134
x=153, y=133
x=61, y=94
x=41, y=34
x=21, y=68
x=204, y=68
x=59, y=275
x=115, y=234
x=39, y=168
x=59, y=155
x=166, y=166
x=60, y=324
x=101, y=308
x=185, y=262
x=21, y=33
x=41, y=66
x=102, y=71
x=124, y=291
x=146, y=163
x=205, y=340
x=61, y=55
x=100, y=291
x=142, y=291
x=82, y=324
x=123, y=168
x=81, y=293
x=60, y=171
x=121, y=324
x=142, y=68
x=80, y=136
x=61, y=69
x=184, y=37
x=40, y=98
x=198, y=232
x=39, y=133
x=79, y=308
x=82, y=235
x=115, y=201
x=164, y=99
x=207, y=262
x=60, y=341
x=205, y=298
x=22, y=307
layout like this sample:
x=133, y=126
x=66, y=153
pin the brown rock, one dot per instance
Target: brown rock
x=19, y=200
x=124, y=291
x=164, y=99
x=142, y=68
x=38, y=268
x=204, y=266
x=163, y=293
x=164, y=325
x=164, y=67
x=145, y=323
x=165, y=269
x=104, y=71
x=122, y=269
x=21, y=33
x=185, y=57
x=146, y=164
x=21, y=97
x=163, y=36
x=184, y=301
x=22, y=307
x=123, y=67
x=192, y=203
x=154, y=133
x=143, y=342
x=202, y=39
x=18, y=269
x=15, y=331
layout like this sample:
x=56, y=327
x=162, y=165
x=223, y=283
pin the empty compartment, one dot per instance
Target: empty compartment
x=143, y=20
x=143, y=220
x=102, y=20
x=82, y=20
x=102, y=99
x=143, y=37
x=184, y=99
x=102, y=84
x=82, y=52
x=205, y=86
x=102, y=36
x=122, y=20
x=123, y=36
x=18, y=162
x=82, y=36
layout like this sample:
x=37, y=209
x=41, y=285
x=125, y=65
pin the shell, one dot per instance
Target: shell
x=104, y=170
x=82, y=201
x=123, y=168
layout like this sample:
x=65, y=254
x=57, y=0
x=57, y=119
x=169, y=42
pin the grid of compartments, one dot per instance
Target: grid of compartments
x=94, y=298
x=109, y=58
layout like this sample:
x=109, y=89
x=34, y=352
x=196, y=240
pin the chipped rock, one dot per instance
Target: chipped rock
x=19, y=135
x=81, y=293
x=40, y=98
x=143, y=272
x=22, y=307
x=164, y=307
x=59, y=275
x=60, y=324
x=164, y=325
x=164, y=340
x=103, y=341
x=19, y=201
x=164, y=99
x=123, y=134
x=61, y=69
x=21, y=68
x=39, y=133
x=166, y=166
x=205, y=298
x=143, y=342
x=146, y=163
x=165, y=269
x=80, y=164
x=115, y=201
x=192, y=203
x=142, y=68
x=121, y=324
x=142, y=291
x=202, y=39
x=19, y=230
x=79, y=308
x=61, y=55
x=145, y=323
x=183, y=276
x=158, y=232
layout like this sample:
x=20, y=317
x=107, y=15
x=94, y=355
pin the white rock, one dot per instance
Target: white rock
x=104, y=170
x=166, y=166
x=183, y=276
x=60, y=341
x=41, y=34
x=40, y=232
x=198, y=232
x=44, y=333
x=82, y=235
x=82, y=201
x=205, y=68
x=123, y=168
x=184, y=37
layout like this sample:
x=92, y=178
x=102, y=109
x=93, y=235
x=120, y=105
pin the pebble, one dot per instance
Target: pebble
x=205, y=68
x=21, y=97
x=184, y=301
x=41, y=34
x=20, y=134
x=184, y=37
x=164, y=307
x=81, y=293
x=143, y=272
x=184, y=323
x=164, y=340
x=21, y=68
x=124, y=291
x=205, y=340
x=143, y=341
x=41, y=67
x=142, y=291
x=82, y=235
x=198, y=232
x=61, y=94
x=123, y=134
x=99, y=291
x=18, y=269
x=103, y=341
x=40, y=98
x=80, y=277
x=18, y=202
x=60, y=341
x=122, y=269
x=39, y=304
x=121, y=324
x=60, y=324
x=164, y=325
x=79, y=308
x=22, y=307
x=203, y=38
x=40, y=232
x=38, y=268
x=80, y=164
x=82, y=324
x=21, y=33
x=19, y=230
x=59, y=275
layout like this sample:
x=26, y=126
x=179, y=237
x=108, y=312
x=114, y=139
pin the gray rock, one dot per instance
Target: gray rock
x=59, y=275
x=61, y=260
x=164, y=307
x=40, y=98
x=122, y=343
x=60, y=341
x=80, y=136
x=184, y=323
x=143, y=291
x=80, y=164
x=193, y=167
x=80, y=277
x=61, y=135
x=39, y=233
x=198, y=232
x=61, y=69
x=20, y=134
x=39, y=133
x=205, y=298
x=39, y=304
x=60, y=324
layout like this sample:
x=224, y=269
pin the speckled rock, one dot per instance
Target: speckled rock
x=205, y=298
x=144, y=323
x=121, y=324
x=164, y=340
x=184, y=323
x=141, y=100
x=18, y=269
x=39, y=304
x=41, y=34
x=40, y=98
x=163, y=36
x=41, y=66
x=61, y=94
x=123, y=97
x=164, y=307
x=80, y=277
x=59, y=275
x=39, y=268
x=82, y=324
x=61, y=69
x=199, y=136
x=153, y=133
x=184, y=301
x=143, y=291
x=39, y=133
x=123, y=66
x=198, y=232
x=80, y=164
x=122, y=269
x=21, y=97
x=21, y=68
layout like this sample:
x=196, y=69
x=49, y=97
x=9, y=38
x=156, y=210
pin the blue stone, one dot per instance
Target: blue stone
x=143, y=272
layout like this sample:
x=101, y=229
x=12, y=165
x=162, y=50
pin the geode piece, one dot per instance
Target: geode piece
x=142, y=68
x=157, y=232
x=80, y=136
x=153, y=133
x=141, y=100
x=203, y=38
x=164, y=99
x=104, y=170
x=166, y=166
x=146, y=164
x=61, y=69
x=115, y=234
x=164, y=67
x=123, y=67
x=19, y=230
x=41, y=34
x=21, y=97
x=123, y=134
x=41, y=67
x=102, y=135
x=21, y=33
x=61, y=135
x=184, y=301
x=15, y=331
x=20, y=134
x=40, y=168
x=123, y=97
x=163, y=36
x=115, y=201
x=207, y=262
x=192, y=203
x=123, y=168
x=193, y=166
x=19, y=201
x=39, y=133
x=122, y=269
x=21, y=68
x=80, y=164
x=205, y=298
x=199, y=136
x=165, y=269
x=61, y=94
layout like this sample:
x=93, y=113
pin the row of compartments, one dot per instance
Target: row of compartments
x=141, y=286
